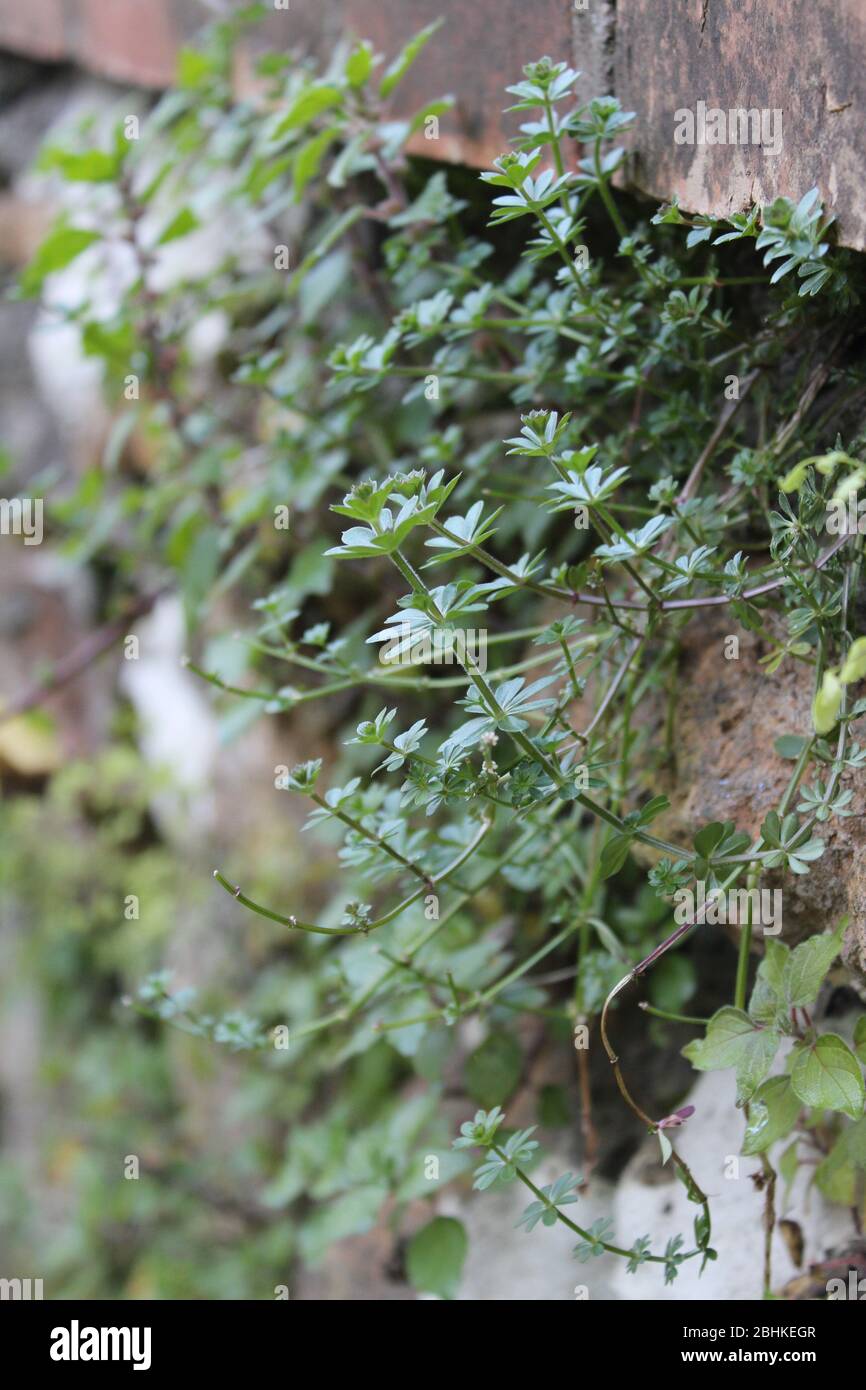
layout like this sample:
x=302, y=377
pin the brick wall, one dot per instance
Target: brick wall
x=803, y=58
x=137, y=40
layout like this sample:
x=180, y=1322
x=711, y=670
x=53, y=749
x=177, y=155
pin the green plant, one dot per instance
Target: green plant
x=667, y=460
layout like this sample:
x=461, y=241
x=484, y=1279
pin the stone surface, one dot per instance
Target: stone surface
x=803, y=59
x=478, y=52
x=650, y=1199
x=507, y=1263
x=131, y=42
x=729, y=714
x=658, y=56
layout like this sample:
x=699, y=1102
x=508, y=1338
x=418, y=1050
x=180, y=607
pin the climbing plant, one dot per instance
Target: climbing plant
x=555, y=427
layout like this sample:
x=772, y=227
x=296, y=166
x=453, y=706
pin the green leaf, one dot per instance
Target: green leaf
x=807, y=966
x=773, y=1113
x=180, y=225
x=307, y=106
x=435, y=1256
x=768, y=997
x=194, y=69
x=90, y=166
x=651, y=809
x=827, y=1076
x=614, y=854
x=58, y=250
x=359, y=65
x=860, y=1037
x=756, y=1060
x=706, y=839
x=308, y=160
x=493, y=1070
x=790, y=746
x=733, y=1040
x=397, y=70
x=840, y=1175
x=727, y=1032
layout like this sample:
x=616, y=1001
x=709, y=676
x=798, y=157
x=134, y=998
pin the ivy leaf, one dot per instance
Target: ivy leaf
x=773, y=1112
x=840, y=1175
x=758, y=1055
x=727, y=1032
x=827, y=1076
x=768, y=999
x=807, y=965
x=435, y=1256
x=734, y=1040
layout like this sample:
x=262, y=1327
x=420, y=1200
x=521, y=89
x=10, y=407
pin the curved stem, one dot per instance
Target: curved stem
x=293, y=922
x=579, y=1230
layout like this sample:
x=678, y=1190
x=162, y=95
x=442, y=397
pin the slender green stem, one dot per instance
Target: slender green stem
x=672, y=1018
x=573, y=1226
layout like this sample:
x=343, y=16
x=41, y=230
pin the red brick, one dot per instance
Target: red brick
x=128, y=40
x=803, y=58
x=35, y=27
x=479, y=51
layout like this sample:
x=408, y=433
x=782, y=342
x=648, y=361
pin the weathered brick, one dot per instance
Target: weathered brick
x=114, y=38
x=796, y=56
x=36, y=27
x=136, y=41
x=480, y=49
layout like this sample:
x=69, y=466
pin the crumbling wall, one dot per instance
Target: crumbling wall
x=802, y=60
